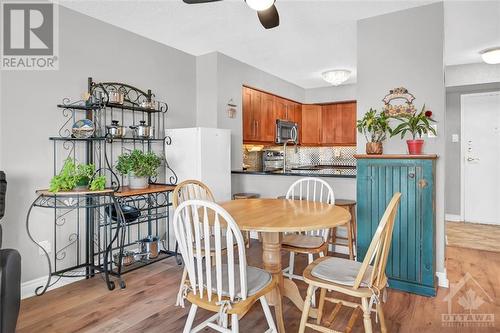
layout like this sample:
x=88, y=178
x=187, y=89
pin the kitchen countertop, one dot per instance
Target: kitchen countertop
x=340, y=172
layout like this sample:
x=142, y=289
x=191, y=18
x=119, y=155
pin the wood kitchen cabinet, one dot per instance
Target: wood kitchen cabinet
x=319, y=125
x=338, y=124
x=311, y=125
x=258, y=124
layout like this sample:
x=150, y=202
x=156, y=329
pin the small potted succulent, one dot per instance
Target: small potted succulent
x=374, y=126
x=74, y=176
x=416, y=124
x=139, y=166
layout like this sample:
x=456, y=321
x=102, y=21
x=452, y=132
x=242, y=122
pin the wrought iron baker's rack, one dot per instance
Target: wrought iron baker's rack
x=78, y=214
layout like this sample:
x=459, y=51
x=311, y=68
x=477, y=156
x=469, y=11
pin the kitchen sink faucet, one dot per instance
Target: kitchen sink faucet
x=284, y=151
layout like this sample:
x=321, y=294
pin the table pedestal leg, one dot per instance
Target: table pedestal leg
x=271, y=257
x=291, y=291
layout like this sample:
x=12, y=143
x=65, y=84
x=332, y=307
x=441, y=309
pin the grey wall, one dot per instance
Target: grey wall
x=331, y=94
x=88, y=47
x=453, y=155
x=410, y=55
x=206, y=90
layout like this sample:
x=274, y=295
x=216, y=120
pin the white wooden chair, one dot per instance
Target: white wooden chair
x=229, y=288
x=189, y=190
x=310, y=242
x=364, y=280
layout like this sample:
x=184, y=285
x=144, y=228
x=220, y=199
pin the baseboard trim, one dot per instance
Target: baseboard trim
x=443, y=279
x=28, y=288
x=454, y=218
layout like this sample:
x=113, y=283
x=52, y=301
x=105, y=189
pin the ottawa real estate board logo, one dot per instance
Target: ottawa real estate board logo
x=29, y=36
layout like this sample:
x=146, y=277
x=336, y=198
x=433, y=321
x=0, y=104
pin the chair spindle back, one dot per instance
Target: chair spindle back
x=194, y=222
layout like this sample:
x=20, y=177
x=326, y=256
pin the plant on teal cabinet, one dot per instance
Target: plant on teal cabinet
x=416, y=124
x=375, y=127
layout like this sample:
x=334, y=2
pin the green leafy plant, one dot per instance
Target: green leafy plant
x=139, y=163
x=416, y=124
x=374, y=126
x=84, y=173
x=65, y=180
x=73, y=175
x=98, y=183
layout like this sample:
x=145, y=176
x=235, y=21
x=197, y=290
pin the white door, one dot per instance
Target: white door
x=481, y=157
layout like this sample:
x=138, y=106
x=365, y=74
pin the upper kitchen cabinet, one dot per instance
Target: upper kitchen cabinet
x=285, y=109
x=258, y=118
x=319, y=125
x=338, y=124
x=311, y=125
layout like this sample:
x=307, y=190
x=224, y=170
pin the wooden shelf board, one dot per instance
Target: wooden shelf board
x=46, y=192
x=153, y=188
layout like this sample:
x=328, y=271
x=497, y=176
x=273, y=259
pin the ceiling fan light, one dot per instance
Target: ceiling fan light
x=259, y=5
x=336, y=76
x=491, y=56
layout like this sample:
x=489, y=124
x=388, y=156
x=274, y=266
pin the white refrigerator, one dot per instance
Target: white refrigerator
x=203, y=154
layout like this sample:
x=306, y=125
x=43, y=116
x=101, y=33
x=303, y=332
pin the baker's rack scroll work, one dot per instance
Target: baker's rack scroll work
x=98, y=235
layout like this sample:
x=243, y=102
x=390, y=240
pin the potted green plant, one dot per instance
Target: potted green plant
x=416, y=124
x=77, y=176
x=374, y=126
x=139, y=166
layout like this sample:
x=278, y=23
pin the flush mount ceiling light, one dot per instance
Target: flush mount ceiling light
x=259, y=4
x=336, y=76
x=491, y=56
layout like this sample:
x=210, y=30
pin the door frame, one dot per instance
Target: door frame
x=463, y=148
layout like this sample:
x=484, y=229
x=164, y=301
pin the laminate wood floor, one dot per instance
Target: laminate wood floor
x=147, y=304
x=473, y=236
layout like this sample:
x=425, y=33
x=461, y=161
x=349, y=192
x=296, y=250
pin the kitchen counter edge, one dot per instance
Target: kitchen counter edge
x=312, y=174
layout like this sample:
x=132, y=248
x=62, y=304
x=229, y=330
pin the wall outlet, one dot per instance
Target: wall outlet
x=47, y=247
x=455, y=138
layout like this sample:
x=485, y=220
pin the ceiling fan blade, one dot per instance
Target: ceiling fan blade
x=269, y=17
x=191, y=2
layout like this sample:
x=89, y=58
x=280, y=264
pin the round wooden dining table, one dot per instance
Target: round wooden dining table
x=272, y=217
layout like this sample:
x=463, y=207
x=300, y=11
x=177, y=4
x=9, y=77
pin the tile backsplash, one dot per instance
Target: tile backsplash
x=252, y=155
x=321, y=155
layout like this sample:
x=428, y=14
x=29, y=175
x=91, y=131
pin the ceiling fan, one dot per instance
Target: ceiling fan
x=266, y=11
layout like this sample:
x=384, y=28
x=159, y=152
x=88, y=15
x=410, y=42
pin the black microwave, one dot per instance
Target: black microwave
x=286, y=130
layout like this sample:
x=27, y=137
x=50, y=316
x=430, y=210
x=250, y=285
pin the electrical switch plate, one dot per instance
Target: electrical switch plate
x=454, y=138
x=46, y=245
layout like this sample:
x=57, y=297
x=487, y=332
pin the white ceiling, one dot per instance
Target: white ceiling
x=313, y=35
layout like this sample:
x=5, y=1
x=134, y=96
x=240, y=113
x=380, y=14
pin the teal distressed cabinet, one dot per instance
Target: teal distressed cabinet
x=411, y=265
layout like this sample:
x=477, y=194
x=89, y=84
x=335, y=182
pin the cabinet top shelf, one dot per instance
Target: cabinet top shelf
x=397, y=156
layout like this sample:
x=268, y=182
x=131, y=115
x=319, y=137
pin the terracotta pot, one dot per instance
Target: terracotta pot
x=415, y=146
x=374, y=148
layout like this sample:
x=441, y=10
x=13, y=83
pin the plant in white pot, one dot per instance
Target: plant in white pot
x=139, y=166
x=374, y=127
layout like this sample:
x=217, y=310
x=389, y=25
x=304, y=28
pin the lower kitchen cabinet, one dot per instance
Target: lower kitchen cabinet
x=411, y=264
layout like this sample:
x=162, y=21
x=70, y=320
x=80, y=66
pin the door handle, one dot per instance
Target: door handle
x=470, y=159
x=422, y=183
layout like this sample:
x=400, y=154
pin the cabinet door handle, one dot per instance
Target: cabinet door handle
x=422, y=183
